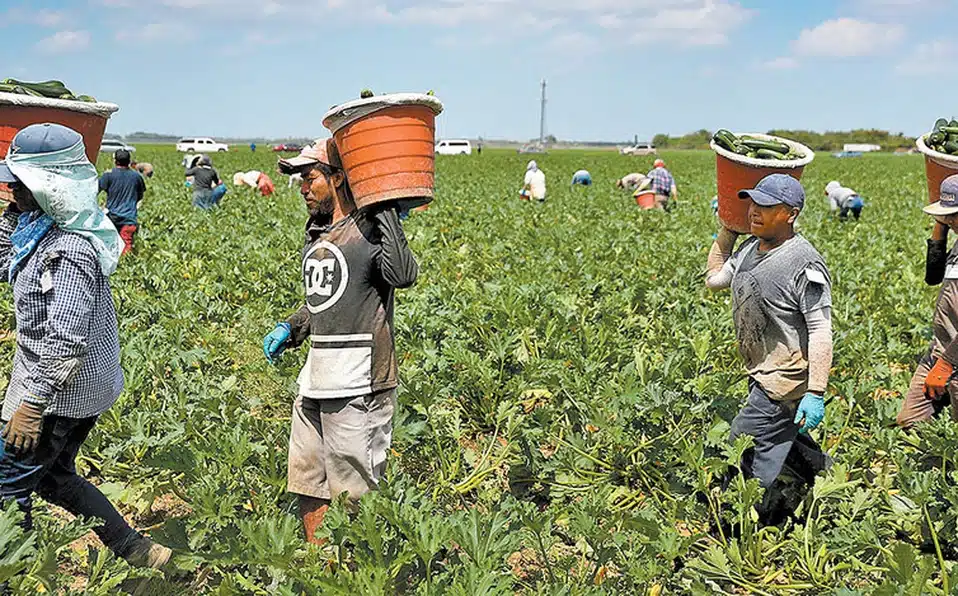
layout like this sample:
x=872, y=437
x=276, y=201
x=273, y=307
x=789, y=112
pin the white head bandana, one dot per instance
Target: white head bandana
x=65, y=185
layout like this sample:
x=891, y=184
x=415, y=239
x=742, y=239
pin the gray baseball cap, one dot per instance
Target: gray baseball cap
x=776, y=189
x=947, y=204
x=39, y=138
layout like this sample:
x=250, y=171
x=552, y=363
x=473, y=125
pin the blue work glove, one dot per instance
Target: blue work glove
x=812, y=409
x=275, y=343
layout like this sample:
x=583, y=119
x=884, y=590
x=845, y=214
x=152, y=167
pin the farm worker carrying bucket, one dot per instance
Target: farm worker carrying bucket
x=781, y=307
x=353, y=262
x=933, y=385
x=61, y=249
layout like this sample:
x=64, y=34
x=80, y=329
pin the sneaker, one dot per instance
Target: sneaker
x=147, y=553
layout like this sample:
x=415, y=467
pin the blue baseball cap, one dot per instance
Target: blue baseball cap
x=947, y=204
x=39, y=138
x=776, y=189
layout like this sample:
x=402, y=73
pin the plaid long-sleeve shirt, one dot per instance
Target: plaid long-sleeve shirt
x=662, y=181
x=68, y=349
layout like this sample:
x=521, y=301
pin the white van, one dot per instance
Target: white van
x=201, y=145
x=454, y=147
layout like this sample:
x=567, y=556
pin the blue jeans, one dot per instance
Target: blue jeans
x=50, y=471
x=203, y=199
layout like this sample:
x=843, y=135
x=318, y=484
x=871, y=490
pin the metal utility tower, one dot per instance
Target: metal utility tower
x=542, y=115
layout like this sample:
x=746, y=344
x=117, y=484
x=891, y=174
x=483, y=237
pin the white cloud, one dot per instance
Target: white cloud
x=846, y=38
x=64, y=41
x=781, y=63
x=573, y=42
x=935, y=57
x=896, y=8
x=156, y=32
x=43, y=17
x=705, y=25
x=684, y=22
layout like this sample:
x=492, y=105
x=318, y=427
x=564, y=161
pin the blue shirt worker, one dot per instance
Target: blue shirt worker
x=663, y=184
x=124, y=188
x=582, y=178
x=781, y=309
x=57, y=250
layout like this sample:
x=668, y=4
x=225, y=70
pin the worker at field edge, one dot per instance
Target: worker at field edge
x=353, y=261
x=534, y=184
x=57, y=250
x=124, y=188
x=844, y=200
x=781, y=308
x=663, y=184
x=933, y=385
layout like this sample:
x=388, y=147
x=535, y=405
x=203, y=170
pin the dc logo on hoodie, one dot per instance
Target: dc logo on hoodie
x=326, y=274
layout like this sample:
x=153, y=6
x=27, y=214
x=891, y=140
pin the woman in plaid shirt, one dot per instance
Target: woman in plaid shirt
x=66, y=370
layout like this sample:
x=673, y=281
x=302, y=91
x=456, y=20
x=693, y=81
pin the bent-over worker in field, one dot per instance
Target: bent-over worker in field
x=353, y=262
x=663, y=184
x=57, y=250
x=205, y=178
x=582, y=178
x=124, y=188
x=933, y=385
x=145, y=169
x=781, y=307
x=844, y=200
x=633, y=182
x=534, y=185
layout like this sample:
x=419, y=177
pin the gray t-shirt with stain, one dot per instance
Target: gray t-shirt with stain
x=771, y=294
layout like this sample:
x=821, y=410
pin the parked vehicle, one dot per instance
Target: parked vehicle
x=113, y=145
x=531, y=148
x=638, y=149
x=201, y=145
x=288, y=147
x=454, y=147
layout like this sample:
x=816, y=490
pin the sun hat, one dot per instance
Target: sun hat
x=776, y=189
x=658, y=163
x=948, y=203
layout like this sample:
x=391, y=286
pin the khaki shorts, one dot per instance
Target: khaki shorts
x=918, y=408
x=339, y=445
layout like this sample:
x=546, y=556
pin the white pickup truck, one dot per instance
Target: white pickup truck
x=201, y=145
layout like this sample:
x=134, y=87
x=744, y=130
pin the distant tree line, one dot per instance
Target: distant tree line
x=817, y=141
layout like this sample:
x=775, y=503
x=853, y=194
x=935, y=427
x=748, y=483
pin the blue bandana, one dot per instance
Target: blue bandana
x=31, y=228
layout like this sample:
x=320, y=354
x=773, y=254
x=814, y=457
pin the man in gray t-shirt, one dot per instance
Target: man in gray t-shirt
x=781, y=306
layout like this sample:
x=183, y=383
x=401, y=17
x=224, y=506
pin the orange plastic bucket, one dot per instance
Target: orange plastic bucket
x=387, y=147
x=645, y=199
x=735, y=172
x=88, y=119
x=938, y=166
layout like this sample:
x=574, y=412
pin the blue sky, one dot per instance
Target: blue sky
x=615, y=67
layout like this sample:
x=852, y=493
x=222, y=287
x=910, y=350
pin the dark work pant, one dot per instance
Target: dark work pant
x=50, y=471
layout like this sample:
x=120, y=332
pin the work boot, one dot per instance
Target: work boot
x=146, y=553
